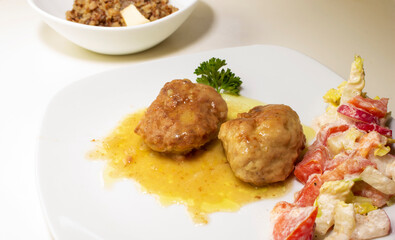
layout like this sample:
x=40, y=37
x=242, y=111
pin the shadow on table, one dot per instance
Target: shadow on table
x=194, y=28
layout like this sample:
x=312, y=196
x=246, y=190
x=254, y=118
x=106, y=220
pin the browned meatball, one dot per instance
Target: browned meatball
x=262, y=145
x=184, y=116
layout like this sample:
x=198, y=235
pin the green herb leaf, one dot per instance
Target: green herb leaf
x=224, y=81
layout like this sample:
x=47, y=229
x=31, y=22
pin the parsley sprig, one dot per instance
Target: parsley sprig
x=224, y=81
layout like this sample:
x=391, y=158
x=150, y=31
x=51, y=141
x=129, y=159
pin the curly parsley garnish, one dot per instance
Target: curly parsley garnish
x=224, y=81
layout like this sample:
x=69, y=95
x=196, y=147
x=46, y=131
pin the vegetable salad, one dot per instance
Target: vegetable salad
x=348, y=172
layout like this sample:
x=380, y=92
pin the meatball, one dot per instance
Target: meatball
x=262, y=145
x=184, y=116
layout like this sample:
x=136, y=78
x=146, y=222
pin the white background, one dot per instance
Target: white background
x=35, y=63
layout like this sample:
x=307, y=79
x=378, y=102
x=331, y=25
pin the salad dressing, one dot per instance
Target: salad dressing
x=202, y=181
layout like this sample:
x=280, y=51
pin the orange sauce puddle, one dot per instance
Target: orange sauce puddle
x=203, y=181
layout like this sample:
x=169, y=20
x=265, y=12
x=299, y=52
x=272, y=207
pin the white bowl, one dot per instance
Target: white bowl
x=112, y=40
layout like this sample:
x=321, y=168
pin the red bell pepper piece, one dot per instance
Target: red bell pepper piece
x=370, y=127
x=327, y=131
x=353, y=165
x=313, y=163
x=292, y=222
x=357, y=114
x=375, y=107
x=309, y=192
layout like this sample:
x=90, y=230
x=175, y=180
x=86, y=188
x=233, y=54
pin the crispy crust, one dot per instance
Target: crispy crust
x=184, y=116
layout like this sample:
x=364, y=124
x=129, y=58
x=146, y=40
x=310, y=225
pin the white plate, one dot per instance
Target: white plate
x=76, y=204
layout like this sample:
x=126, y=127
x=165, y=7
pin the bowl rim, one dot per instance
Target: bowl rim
x=59, y=20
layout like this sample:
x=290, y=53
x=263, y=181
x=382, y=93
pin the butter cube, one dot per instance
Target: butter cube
x=132, y=16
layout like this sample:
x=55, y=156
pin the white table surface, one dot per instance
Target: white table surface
x=36, y=62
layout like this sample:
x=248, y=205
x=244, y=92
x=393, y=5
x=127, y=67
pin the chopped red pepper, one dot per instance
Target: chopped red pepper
x=309, y=192
x=370, y=127
x=357, y=114
x=375, y=107
x=292, y=222
x=312, y=163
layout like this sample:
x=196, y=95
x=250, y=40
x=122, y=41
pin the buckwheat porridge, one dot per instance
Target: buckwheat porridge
x=108, y=12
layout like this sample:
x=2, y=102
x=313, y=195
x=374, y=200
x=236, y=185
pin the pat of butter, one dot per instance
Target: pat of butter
x=132, y=16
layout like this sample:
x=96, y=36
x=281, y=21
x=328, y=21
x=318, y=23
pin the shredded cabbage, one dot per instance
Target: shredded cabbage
x=382, y=150
x=379, y=181
x=331, y=193
x=356, y=81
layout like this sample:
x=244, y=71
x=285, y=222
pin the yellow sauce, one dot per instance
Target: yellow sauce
x=203, y=182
